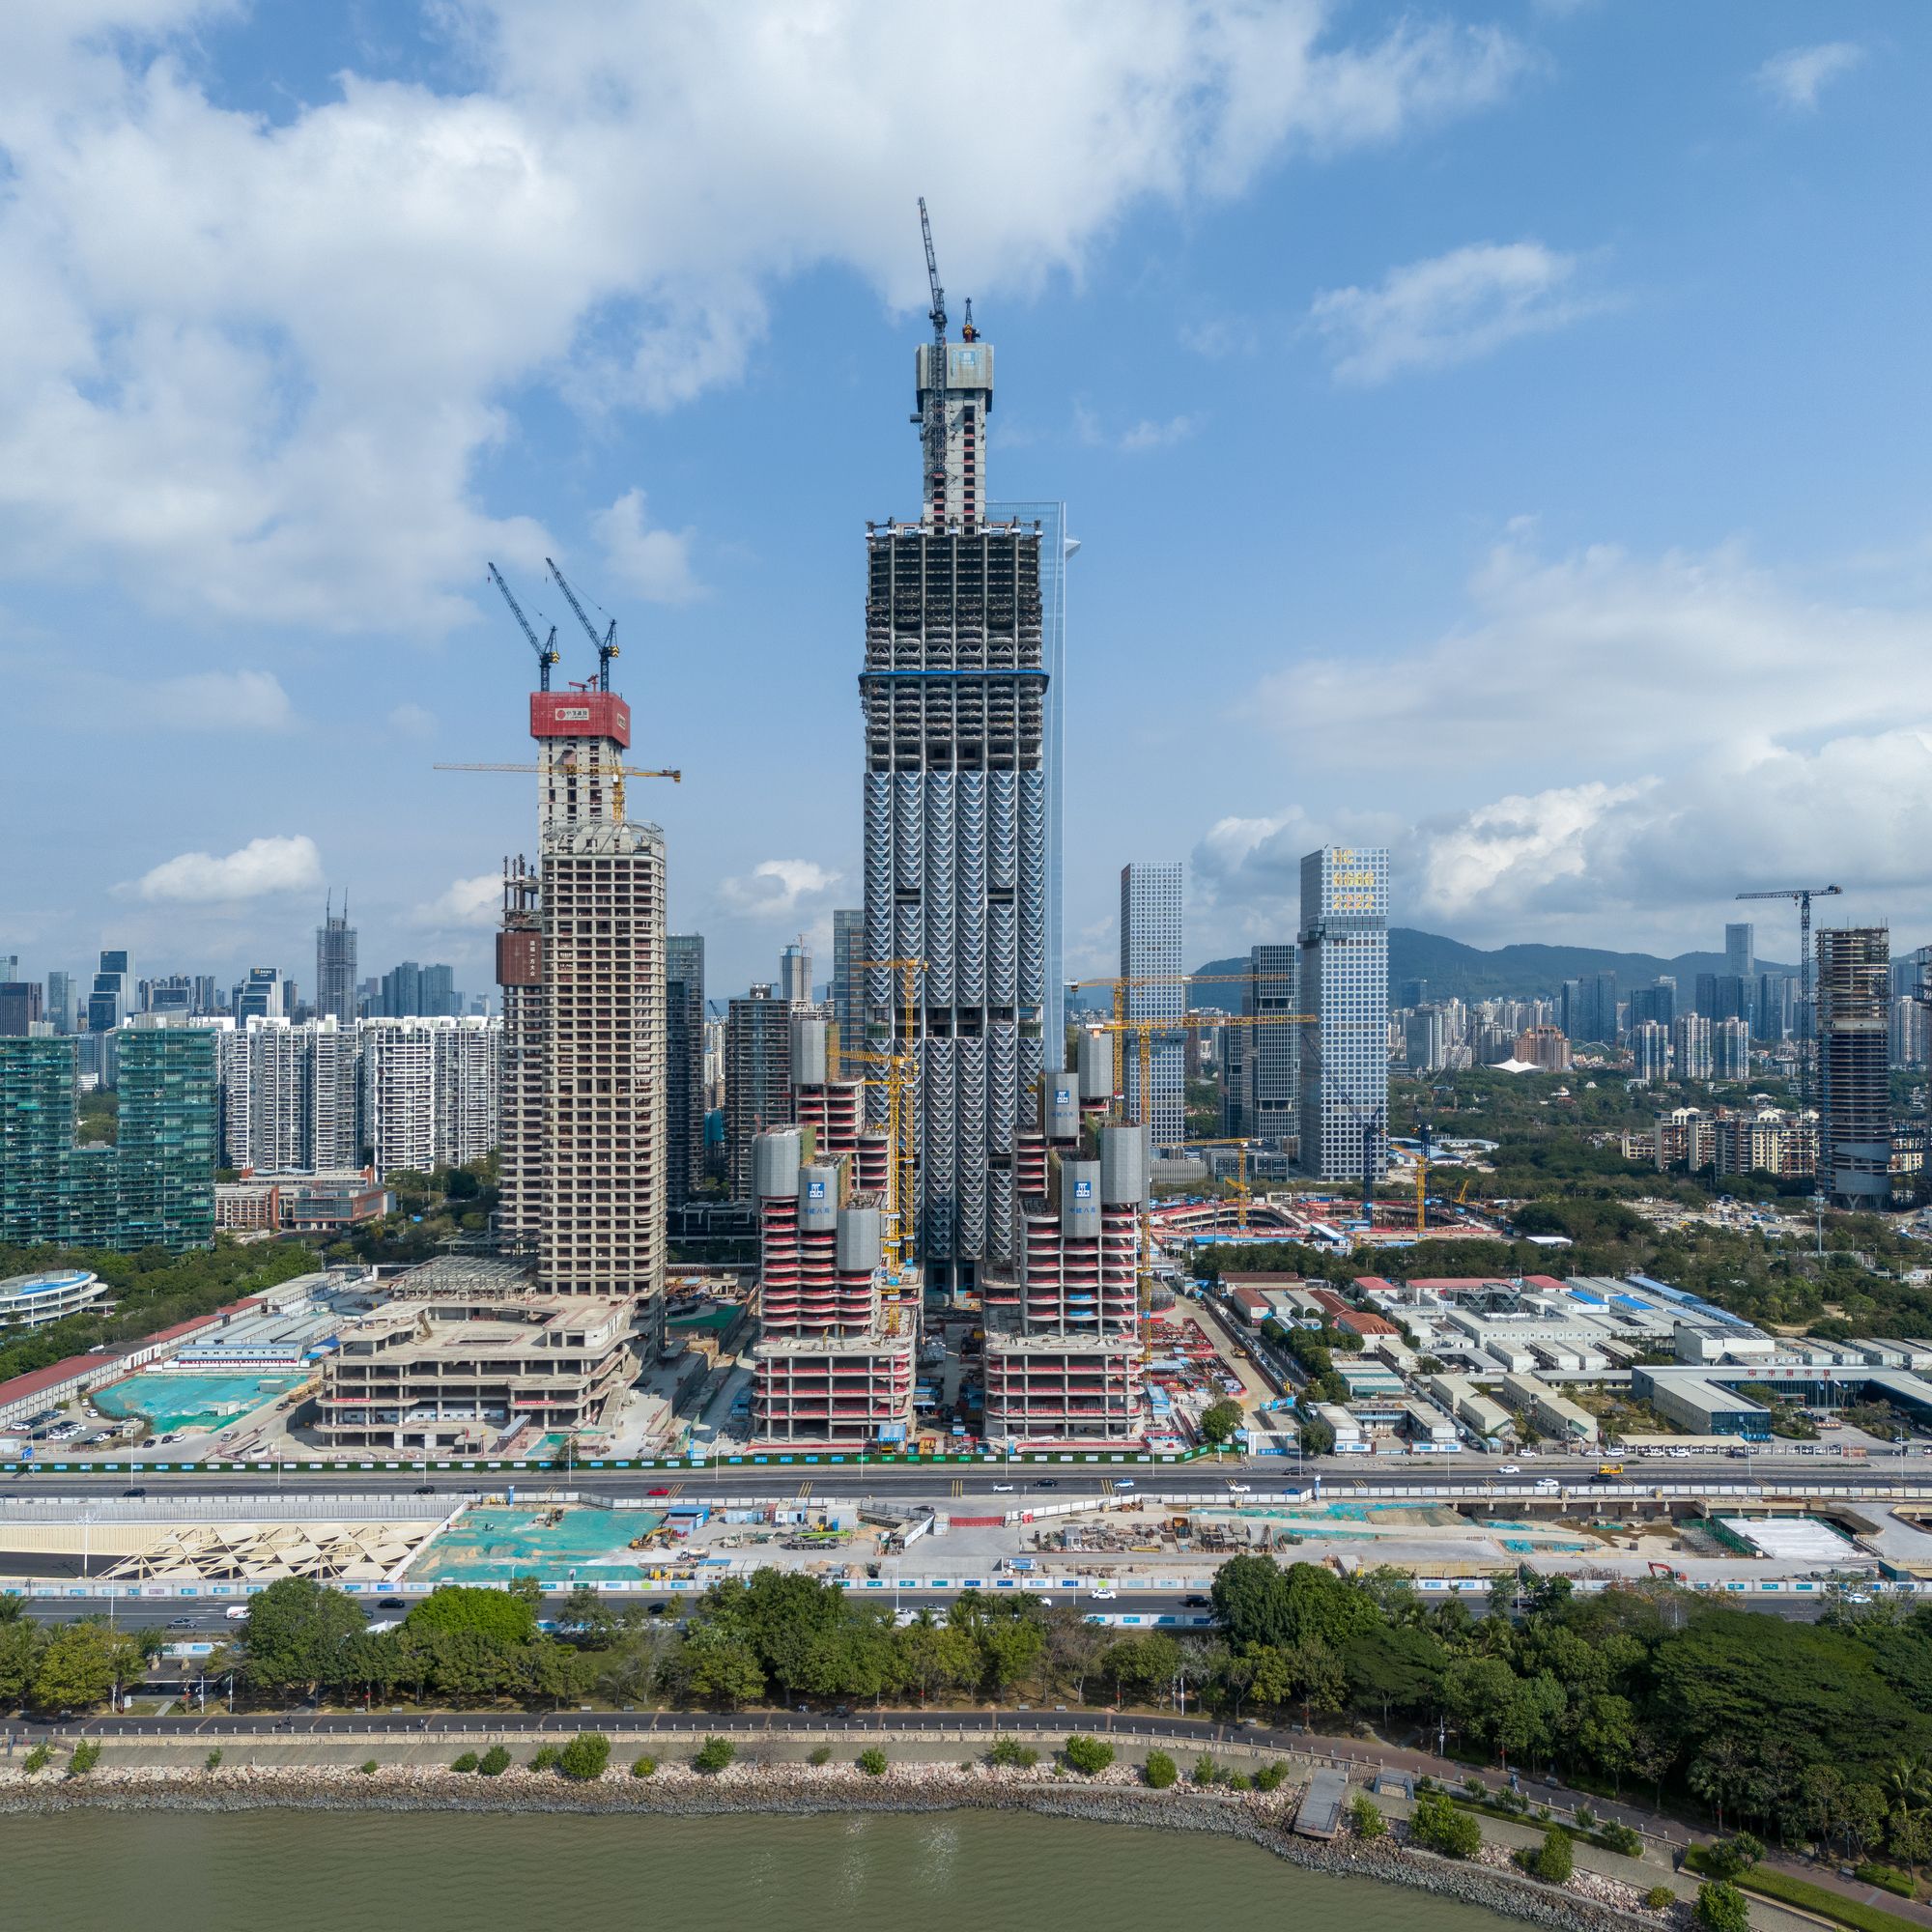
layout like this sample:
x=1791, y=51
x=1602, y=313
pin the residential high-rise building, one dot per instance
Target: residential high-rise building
x=1544, y=1046
x=1650, y=1053
x=1151, y=951
x=167, y=1138
x=289, y=1098
x=58, y=1009
x=112, y=998
x=430, y=1090
x=1268, y=1054
x=1855, y=1095
x=684, y=1066
x=39, y=1086
x=1344, y=984
x=1730, y=1049
x=795, y=975
x=1908, y=1038
x=757, y=1079
x=848, y=978
x=1690, y=1046
x=581, y=964
x=20, y=1010
x=336, y=965
x=955, y=693
x=1741, y=949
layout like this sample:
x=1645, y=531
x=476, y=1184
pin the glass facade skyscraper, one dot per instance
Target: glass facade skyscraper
x=1150, y=941
x=168, y=1137
x=1344, y=1084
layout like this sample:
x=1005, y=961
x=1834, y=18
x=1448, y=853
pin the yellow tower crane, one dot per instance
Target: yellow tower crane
x=1145, y=1030
x=1241, y=1189
x=902, y=1113
x=1121, y=1022
x=619, y=773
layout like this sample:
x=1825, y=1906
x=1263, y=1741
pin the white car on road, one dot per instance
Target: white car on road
x=1510, y=1470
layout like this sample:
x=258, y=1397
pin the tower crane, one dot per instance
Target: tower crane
x=1242, y=1193
x=618, y=775
x=1803, y=894
x=606, y=645
x=547, y=650
x=901, y=1113
x=934, y=430
x=1122, y=1025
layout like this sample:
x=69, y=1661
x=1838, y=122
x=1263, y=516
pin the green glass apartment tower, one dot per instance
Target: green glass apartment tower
x=38, y=1087
x=169, y=1138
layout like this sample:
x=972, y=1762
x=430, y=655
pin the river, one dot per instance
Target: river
x=980, y=1871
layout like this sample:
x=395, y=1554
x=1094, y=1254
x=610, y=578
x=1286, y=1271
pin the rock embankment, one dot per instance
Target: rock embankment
x=1116, y=1796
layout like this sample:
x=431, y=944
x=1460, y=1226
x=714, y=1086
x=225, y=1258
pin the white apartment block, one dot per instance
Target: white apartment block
x=289, y=1096
x=429, y=1091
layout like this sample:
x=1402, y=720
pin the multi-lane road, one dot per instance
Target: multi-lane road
x=1258, y=1480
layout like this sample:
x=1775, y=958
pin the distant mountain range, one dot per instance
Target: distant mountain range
x=1524, y=972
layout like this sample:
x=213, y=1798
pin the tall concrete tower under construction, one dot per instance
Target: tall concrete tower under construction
x=958, y=808
x=581, y=960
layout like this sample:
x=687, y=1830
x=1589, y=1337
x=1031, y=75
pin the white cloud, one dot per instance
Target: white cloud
x=1605, y=749
x=1629, y=659
x=655, y=564
x=259, y=869
x=777, y=887
x=468, y=902
x=1146, y=435
x=1795, y=77
x=216, y=700
x=1451, y=308
x=412, y=720
x=1218, y=337
x=1136, y=440
x=249, y=365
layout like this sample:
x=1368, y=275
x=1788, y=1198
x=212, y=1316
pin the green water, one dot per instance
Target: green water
x=426, y=1871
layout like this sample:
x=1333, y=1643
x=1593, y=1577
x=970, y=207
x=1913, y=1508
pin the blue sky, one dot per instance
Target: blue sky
x=1494, y=431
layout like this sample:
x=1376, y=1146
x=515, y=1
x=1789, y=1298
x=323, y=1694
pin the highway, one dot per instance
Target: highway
x=1265, y=1479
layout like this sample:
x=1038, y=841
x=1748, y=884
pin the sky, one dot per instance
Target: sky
x=1494, y=431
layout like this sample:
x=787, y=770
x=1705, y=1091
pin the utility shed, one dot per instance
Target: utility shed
x=1320, y=1813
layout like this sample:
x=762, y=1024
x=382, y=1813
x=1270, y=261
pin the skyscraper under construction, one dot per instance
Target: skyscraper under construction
x=581, y=960
x=958, y=805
